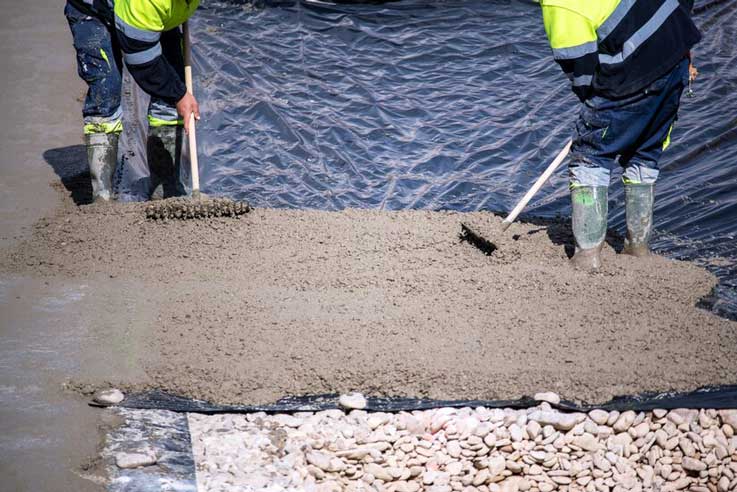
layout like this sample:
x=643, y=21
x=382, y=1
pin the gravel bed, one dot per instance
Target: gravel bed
x=469, y=449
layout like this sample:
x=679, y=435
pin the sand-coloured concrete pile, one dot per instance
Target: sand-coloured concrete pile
x=286, y=302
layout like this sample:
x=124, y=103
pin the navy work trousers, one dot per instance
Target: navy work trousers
x=99, y=65
x=632, y=132
x=99, y=61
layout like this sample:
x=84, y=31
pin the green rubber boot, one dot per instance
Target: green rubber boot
x=164, y=159
x=102, y=154
x=639, y=200
x=589, y=222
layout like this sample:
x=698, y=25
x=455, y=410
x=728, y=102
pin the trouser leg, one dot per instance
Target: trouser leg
x=164, y=148
x=640, y=165
x=98, y=65
x=634, y=132
x=654, y=117
x=166, y=132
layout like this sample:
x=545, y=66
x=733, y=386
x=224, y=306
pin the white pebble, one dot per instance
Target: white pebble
x=145, y=457
x=599, y=416
x=319, y=459
x=470, y=450
x=548, y=396
x=624, y=421
x=693, y=465
x=352, y=401
x=111, y=396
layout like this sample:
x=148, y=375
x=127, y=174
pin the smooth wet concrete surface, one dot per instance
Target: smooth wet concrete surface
x=41, y=102
x=45, y=432
x=56, y=331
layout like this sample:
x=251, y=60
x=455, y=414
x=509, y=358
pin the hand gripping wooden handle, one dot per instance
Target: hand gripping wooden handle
x=194, y=167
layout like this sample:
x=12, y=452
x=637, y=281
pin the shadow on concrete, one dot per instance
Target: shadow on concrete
x=158, y=181
x=558, y=230
x=70, y=164
x=560, y=233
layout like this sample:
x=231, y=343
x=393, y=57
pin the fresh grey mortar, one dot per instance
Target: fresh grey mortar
x=248, y=305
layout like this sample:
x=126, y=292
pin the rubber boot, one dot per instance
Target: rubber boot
x=164, y=157
x=638, y=200
x=102, y=154
x=589, y=222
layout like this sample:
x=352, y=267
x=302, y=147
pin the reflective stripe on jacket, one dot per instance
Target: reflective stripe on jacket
x=615, y=48
x=140, y=24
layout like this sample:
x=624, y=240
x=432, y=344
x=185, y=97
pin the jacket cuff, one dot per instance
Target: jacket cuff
x=179, y=92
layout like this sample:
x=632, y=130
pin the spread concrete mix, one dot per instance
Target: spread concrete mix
x=286, y=302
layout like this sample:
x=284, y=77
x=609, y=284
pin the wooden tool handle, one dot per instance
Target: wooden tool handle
x=194, y=167
x=538, y=184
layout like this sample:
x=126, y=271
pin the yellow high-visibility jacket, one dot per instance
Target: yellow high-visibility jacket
x=615, y=48
x=141, y=25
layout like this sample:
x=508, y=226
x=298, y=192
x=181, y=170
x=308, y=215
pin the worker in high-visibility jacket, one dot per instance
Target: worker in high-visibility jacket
x=628, y=62
x=146, y=35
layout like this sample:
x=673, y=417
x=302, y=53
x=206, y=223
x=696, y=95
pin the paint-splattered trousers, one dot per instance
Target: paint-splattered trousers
x=632, y=132
x=99, y=61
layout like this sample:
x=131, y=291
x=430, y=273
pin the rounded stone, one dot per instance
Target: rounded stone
x=496, y=465
x=453, y=448
x=138, y=459
x=692, y=465
x=319, y=459
x=454, y=468
x=516, y=432
x=723, y=485
x=624, y=421
x=547, y=396
x=111, y=396
x=587, y=442
x=379, y=472
x=641, y=430
x=481, y=477
x=352, y=401
x=599, y=416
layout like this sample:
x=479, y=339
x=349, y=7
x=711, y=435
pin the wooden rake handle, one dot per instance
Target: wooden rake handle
x=536, y=187
x=194, y=166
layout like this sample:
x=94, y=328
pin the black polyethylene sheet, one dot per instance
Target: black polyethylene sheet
x=722, y=397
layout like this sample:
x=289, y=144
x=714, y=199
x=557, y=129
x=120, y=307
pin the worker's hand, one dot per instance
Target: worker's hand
x=692, y=72
x=185, y=107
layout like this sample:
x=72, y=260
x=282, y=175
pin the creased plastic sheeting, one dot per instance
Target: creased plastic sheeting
x=716, y=397
x=447, y=104
x=167, y=434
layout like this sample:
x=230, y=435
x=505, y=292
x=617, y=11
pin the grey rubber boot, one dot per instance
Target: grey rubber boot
x=589, y=221
x=102, y=155
x=638, y=200
x=164, y=149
